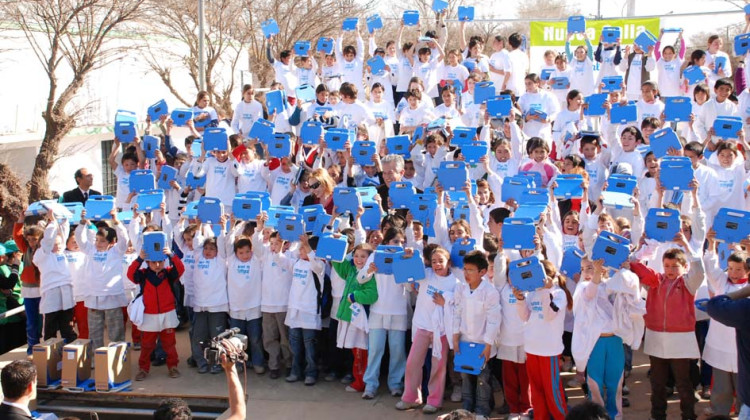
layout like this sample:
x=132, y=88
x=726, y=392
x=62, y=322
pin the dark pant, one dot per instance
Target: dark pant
x=253, y=330
x=60, y=321
x=303, y=343
x=337, y=360
x=33, y=321
x=659, y=377
x=476, y=392
x=701, y=376
x=207, y=326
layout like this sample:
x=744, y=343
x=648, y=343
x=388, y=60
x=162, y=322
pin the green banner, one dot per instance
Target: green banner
x=554, y=34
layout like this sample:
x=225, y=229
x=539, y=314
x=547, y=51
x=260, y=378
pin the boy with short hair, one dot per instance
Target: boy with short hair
x=717, y=106
x=480, y=325
x=104, y=250
x=670, y=324
x=275, y=285
x=128, y=162
x=159, y=314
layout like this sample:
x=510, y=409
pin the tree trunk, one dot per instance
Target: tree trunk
x=12, y=200
x=56, y=127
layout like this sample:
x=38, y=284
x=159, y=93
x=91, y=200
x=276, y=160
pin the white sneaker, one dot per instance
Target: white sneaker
x=456, y=394
x=430, y=409
x=403, y=405
x=524, y=417
x=514, y=416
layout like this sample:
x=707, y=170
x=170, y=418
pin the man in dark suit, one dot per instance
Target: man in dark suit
x=84, y=179
x=18, y=381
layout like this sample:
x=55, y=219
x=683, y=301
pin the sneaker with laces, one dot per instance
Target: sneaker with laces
x=368, y=395
x=431, y=409
x=142, y=374
x=137, y=346
x=174, y=373
x=292, y=378
x=403, y=405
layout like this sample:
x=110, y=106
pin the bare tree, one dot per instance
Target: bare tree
x=227, y=32
x=66, y=33
x=12, y=200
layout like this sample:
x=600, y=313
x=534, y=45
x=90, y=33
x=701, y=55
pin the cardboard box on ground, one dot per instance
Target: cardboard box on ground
x=112, y=367
x=76, y=365
x=48, y=361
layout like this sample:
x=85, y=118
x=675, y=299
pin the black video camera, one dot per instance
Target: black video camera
x=230, y=343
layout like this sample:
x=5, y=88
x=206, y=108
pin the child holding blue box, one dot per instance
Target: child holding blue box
x=544, y=317
x=128, y=162
x=210, y=302
x=244, y=291
x=432, y=325
x=476, y=319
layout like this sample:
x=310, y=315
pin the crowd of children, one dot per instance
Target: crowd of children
x=303, y=313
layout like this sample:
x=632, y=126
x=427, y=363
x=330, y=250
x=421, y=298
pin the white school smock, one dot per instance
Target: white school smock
x=712, y=76
x=477, y=314
x=561, y=94
x=544, y=338
x=244, y=287
x=188, y=260
x=425, y=307
x=56, y=284
x=518, y=65
x=720, y=351
x=276, y=278
x=286, y=75
x=352, y=71
x=389, y=311
x=711, y=109
x=76, y=265
x=582, y=76
x=669, y=74
x=123, y=188
x=249, y=177
x=104, y=269
x=220, y=178
x=210, y=277
x=499, y=60
x=245, y=115
x=548, y=104
x=280, y=183
x=302, y=308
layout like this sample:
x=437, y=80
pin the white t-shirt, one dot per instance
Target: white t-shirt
x=245, y=115
x=286, y=75
x=123, y=188
x=249, y=176
x=669, y=77
x=499, y=61
x=518, y=66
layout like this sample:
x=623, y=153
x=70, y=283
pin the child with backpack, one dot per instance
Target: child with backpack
x=159, y=314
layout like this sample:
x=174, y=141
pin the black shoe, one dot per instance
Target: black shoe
x=159, y=362
x=191, y=362
x=274, y=374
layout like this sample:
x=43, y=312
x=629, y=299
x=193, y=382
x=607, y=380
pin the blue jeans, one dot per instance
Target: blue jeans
x=397, y=365
x=196, y=352
x=253, y=330
x=605, y=370
x=744, y=412
x=33, y=321
x=303, y=342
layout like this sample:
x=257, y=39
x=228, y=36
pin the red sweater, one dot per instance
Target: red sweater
x=670, y=304
x=158, y=297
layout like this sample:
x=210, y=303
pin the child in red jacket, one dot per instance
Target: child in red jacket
x=670, y=324
x=159, y=315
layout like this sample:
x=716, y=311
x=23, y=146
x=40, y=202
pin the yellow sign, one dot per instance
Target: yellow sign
x=554, y=34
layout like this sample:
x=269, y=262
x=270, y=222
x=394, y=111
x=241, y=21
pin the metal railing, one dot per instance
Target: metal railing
x=10, y=313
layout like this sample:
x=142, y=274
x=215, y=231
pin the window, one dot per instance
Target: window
x=109, y=181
